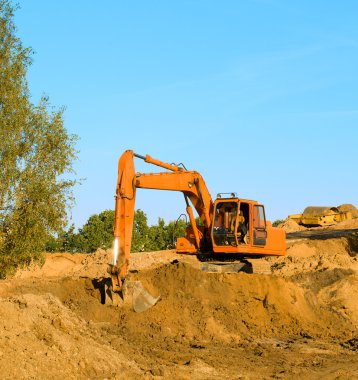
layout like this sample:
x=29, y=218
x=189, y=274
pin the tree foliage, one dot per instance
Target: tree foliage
x=140, y=234
x=36, y=155
x=278, y=222
x=98, y=233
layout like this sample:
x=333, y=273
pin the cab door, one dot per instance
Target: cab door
x=259, y=225
x=224, y=226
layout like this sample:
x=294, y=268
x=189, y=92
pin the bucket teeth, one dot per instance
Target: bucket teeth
x=111, y=297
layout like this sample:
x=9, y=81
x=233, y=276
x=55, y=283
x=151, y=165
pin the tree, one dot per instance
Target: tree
x=174, y=230
x=36, y=156
x=157, y=235
x=277, y=222
x=97, y=232
x=140, y=238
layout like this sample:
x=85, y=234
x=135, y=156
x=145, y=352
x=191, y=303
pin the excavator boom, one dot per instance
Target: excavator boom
x=190, y=183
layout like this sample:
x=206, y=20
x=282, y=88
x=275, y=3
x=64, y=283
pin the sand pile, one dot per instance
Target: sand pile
x=328, y=268
x=42, y=338
x=298, y=321
x=349, y=207
x=228, y=307
x=342, y=296
x=317, y=255
x=94, y=265
x=346, y=224
x=289, y=225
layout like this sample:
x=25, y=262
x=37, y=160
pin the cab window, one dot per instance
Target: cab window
x=225, y=223
x=259, y=217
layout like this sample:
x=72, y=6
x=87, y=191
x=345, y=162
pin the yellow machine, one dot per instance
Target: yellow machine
x=321, y=216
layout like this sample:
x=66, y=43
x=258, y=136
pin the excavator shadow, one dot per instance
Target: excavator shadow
x=102, y=285
x=323, y=234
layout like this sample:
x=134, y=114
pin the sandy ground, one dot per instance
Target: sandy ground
x=296, y=317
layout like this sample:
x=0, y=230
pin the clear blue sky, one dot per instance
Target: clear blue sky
x=260, y=96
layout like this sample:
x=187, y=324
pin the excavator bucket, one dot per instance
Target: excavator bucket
x=140, y=298
x=133, y=294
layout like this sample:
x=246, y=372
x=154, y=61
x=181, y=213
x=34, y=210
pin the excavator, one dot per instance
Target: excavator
x=231, y=228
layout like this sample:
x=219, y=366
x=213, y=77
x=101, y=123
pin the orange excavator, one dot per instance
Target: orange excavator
x=231, y=228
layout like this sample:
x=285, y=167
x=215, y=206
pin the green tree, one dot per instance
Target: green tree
x=157, y=236
x=140, y=237
x=72, y=241
x=68, y=241
x=97, y=232
x=175, y=229
x=277, y=222
x=198, y=221
x=36, y=155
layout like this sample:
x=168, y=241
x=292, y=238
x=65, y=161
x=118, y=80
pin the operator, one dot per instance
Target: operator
x=242, y=227
x=219, y=226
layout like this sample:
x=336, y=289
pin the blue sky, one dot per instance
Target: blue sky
x=260, y=96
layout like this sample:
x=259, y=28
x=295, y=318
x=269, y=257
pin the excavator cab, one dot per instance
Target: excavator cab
x=240, y=226
x=232, y=222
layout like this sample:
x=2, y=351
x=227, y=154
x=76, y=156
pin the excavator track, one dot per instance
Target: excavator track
x=214, y=263
x=220, y=267
x=222, y=258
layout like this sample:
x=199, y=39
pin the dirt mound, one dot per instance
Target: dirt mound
x=192, y=306
x=56, y=264
x=342, y=295
x=228, y=307
x=316, y=255
x=94, y=265
x=328, y=268
x=42, y=338
x=349, y=207
x=287, y=324
x=289, y=225
x=346, y=224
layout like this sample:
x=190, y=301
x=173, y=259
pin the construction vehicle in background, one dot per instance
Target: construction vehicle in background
x=232, y=228
x=314, y=216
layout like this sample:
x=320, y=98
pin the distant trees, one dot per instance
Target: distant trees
x=98, y=233
x=278, y=222
x=36, y=155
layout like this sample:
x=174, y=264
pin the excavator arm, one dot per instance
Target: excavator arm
x=190, y=183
